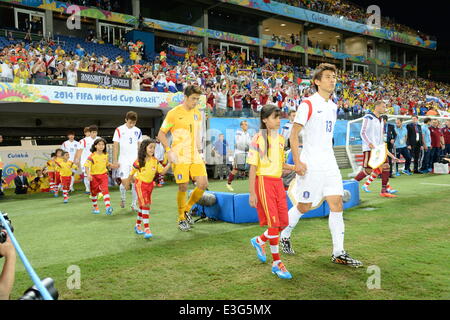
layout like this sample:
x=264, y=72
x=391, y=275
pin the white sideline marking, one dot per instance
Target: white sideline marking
x=436, y=184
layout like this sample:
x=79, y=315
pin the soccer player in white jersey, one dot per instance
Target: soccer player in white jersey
x=372, y=135
x=84, y=150
x=127, y=139
x=318, y=176
x=287, y=128
x=241, y=148
x=71, y=146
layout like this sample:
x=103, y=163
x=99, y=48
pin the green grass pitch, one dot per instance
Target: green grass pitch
x=406, y=237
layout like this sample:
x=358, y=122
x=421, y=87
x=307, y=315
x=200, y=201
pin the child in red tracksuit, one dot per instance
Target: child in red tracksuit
x=267, y=194
x=97, y=166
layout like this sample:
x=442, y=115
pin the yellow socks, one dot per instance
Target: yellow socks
x=181, y=202
x=195, y=196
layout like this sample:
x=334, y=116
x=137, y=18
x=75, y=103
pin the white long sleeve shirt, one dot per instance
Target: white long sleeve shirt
x=372, y=131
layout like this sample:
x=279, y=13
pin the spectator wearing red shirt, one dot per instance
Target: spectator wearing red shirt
x=437, y=141
x=238, y=101
x=147, y=82
x=263, y=98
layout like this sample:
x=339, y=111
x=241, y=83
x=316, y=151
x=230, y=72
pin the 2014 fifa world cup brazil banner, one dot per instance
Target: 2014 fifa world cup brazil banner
x=15, y=92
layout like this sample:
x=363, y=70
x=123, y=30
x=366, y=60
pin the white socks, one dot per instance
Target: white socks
x=134, y=195
x=123, y=193
x=337, y=229
x=87, y=184
x=294, y=216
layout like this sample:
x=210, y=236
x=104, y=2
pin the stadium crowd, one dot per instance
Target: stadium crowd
x=234, y=84
x=352, y=12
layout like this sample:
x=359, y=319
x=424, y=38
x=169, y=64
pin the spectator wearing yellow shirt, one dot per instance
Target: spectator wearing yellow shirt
x=21, y=75
x=59, y=53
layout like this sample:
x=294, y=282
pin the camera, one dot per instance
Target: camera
x=34, y=294
x=3, y=233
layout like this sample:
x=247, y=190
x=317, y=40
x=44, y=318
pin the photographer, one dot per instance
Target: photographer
x=7, y=276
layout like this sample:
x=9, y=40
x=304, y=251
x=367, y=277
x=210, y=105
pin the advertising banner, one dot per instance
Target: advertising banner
x=12, y=92
x=96, y=80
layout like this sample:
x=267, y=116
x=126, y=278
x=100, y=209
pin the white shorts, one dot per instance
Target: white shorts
x=314, y=186
x=123, y=172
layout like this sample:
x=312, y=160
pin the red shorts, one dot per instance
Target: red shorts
x=272, y=204
x=57, y=178
x=144, y=192
x=99, y=184
x=51, y=177
x=367, y=158
x=65, y=182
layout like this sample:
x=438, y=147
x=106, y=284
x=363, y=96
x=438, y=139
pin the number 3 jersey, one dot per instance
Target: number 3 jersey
x=128, y=140
x=318, y=119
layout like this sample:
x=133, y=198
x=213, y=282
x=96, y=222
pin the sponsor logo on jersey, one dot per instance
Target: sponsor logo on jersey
x=306, y=195
x=180, y=176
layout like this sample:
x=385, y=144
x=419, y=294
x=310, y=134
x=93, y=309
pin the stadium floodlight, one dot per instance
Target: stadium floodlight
x=353, y=141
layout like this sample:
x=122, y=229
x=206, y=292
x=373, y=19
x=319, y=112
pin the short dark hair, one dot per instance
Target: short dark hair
x=291, y=112
x=87, y=129
x=19, y=170
x=131, y=115
x=53, y=154
x=384, y=117
x=426, y=120
x=319, y=71
x=70, y=133
x=193, y=89
x=93, y=128
x=64, y=152
x=57, y=150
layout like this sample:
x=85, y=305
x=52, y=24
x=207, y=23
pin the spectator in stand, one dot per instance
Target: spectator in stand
x=161, y=83
x=6, y=71
x=21, y=75
x=221, y=99
x=135, y=82
x=79, y=51
x=39, y=71
x=71, y=75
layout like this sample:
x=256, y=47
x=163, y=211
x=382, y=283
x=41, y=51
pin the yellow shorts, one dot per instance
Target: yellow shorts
x=183, y=172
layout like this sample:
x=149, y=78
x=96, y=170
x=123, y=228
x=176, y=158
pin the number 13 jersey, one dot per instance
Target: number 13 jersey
x=318, y=118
